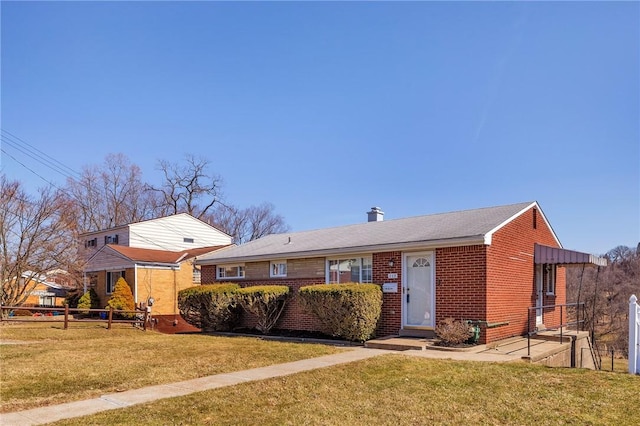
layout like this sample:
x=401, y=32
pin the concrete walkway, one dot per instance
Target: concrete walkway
x=43, y=415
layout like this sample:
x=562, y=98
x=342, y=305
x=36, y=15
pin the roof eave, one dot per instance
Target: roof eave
x=489, y=235
x=403, y=246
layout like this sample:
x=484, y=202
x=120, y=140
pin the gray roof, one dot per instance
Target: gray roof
x=444, y=229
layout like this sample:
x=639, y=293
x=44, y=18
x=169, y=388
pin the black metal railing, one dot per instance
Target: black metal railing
x=564, y=308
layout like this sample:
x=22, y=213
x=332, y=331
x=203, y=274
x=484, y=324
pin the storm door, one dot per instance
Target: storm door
x=419, y=297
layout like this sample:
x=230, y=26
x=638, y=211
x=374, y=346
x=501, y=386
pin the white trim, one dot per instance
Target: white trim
x=360, y=257
x=488, y=236
x=233, y=265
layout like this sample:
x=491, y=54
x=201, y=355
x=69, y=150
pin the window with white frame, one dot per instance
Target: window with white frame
x=278, y=269
x=112, y=279
x=356, y=270
x=549, y=279
x=231, y=271
x=197, y=275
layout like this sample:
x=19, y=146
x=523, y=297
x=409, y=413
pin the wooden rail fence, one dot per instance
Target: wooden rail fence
x=141, y=317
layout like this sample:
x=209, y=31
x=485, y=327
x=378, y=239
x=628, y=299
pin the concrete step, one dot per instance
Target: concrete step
x=397, y=343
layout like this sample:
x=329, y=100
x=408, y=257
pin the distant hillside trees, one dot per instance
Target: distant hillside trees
x=606, y=293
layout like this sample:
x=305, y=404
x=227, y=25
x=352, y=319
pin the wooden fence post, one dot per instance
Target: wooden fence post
x=110, y=317
x=66, y=316
x=146, y=318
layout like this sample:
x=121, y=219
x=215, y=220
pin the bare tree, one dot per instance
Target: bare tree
x=250, y=223
x=35, y=238
x=606, y=292
x=187, y=188
x=109, y=195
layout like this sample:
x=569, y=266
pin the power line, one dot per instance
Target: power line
x=45, y=158
x=55, y=165
x=31, y=170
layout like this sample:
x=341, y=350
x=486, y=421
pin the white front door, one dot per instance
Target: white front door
x=539, y=294
x=419, y=296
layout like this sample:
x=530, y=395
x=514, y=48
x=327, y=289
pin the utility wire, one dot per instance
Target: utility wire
x=46, y=158
x=59, y=168
x=31, y=170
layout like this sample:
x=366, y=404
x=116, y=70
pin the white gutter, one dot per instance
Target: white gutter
x=422, y=245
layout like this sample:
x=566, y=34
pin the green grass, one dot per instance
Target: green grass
x=87, y=360
x=399, y=390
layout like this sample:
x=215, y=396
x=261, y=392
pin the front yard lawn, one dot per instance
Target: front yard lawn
x=87, y=360
x=403, y=390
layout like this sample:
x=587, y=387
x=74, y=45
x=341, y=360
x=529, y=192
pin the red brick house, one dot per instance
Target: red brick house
x=476, y=265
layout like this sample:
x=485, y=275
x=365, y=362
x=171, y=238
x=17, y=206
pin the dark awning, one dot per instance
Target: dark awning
x=560, y=256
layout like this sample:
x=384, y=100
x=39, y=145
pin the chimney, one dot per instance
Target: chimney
x=375, y=215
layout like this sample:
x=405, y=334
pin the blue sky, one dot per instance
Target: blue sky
x=326, y=108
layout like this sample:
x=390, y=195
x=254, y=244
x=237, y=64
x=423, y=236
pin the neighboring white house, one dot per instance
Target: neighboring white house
x=172, y=233
x=156, y=258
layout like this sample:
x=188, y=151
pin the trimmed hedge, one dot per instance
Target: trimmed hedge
x=348, y=310
x=210, y=307
x=265, y=302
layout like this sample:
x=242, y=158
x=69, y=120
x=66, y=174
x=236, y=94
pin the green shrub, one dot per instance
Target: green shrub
x=210, y=307
x=122, y=298
x=89, y=300
x=73, y=298
x=265, y=302
x=453, y=332
x=347, y=310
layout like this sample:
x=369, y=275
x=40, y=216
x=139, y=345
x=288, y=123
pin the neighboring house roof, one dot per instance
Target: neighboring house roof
x=445, y=229
x=150, y=256
x=56, y=289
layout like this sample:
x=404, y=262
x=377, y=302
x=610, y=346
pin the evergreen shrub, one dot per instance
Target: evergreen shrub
x=89, y=300
x=265, y=302
x=350, y=310
x=210, y=307
x=122, y=299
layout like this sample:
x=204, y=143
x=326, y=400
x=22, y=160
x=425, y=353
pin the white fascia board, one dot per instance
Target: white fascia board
x=426, y=245
x=111, y=268
x=488, y=236
x=157, y=265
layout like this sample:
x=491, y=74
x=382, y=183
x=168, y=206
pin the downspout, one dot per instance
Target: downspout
x=175, y=299
x=135, y=283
